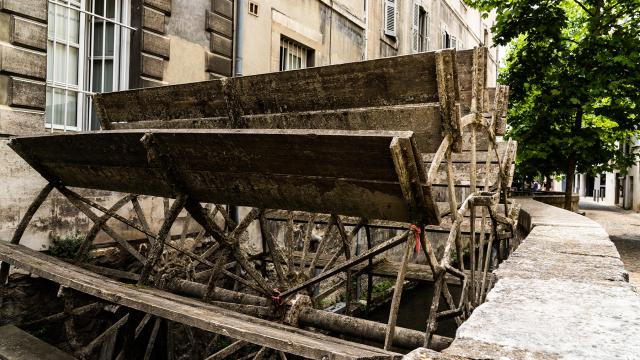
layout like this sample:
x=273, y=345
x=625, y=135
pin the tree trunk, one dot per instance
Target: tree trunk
x=568, y=191
x=571, y=163
x=547, y=183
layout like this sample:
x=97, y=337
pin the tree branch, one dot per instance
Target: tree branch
x=583, y=7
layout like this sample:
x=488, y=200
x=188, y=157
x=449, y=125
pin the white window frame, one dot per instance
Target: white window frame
x=293, y=49
x=418, y=44
x=87, y=20
x=390, y=26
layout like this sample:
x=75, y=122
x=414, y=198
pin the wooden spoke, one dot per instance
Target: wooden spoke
x=378, y=249
x=158, y=246
x=80, y=205
x=307, y=241
x=95, y=229
x=82, y=310
x=276, y=253
x=201, y=216
x=89, y=348
x=397, y=295
x=228, y=351
x=142, y=219
x=289, y=242
x=319, y=250
x=216, y=269
x=369, y=275
x=262, y=353
x=152, y=339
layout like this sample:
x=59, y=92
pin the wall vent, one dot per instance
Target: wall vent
x=253, y=8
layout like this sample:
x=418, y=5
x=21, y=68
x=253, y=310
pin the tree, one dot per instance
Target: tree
x=573, y=67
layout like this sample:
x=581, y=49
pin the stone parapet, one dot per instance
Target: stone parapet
x=562, y=294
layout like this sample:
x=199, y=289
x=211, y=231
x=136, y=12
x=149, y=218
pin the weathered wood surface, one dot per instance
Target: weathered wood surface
x=189, y=312
x=422, y=119
x=348, y=173
x=16, y=344
x=381, y=95
x=380, y=82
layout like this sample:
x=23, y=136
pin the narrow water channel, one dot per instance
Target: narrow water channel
x=414, y=309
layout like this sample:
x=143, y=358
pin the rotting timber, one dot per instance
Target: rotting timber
x=406, y=143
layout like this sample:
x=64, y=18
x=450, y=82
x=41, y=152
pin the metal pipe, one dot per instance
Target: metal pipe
x=240, y=11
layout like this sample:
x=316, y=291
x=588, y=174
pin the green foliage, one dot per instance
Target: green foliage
x=66, y=246
x=574, y=71
x=382, y=286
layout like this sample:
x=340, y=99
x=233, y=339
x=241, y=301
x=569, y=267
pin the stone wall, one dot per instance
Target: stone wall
x=154, y=45
x=563, y=294
x=553, y=198
x=23, y=66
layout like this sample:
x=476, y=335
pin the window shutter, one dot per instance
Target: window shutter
x=415, y=27
x=428, y=37
x=390, y=17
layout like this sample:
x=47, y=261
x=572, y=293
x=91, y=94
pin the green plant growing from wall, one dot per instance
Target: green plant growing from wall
x=65, y=246
x=573, y=67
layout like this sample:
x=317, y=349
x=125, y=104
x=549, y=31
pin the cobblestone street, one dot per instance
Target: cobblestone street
x=623, y=227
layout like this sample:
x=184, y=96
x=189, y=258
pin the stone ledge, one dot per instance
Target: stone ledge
x=562, y=294
x=20, y=122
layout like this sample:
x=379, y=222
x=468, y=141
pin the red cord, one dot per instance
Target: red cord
x=417, y=231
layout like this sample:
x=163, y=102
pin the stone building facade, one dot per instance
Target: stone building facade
x=54, y=54
x=620, y=188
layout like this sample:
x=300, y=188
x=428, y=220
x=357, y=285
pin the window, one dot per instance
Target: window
x=253, y=8
x=449, y=41
x=390, y=17
x=86, y=53
x=294, y=56
x=420, y=29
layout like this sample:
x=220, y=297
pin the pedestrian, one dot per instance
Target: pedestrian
x=536, y=185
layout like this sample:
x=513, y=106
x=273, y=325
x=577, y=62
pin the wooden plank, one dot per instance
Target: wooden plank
x=422, y=119
x=188, y=311
x=344, y=172
x=16, y=344
x=374, y=83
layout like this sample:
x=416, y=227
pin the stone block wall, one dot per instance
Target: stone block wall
x=23, y=66
x=155, y=46
x=562, y=294
x=219, y=61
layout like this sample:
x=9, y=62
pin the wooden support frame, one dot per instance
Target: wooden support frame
x=415, y=187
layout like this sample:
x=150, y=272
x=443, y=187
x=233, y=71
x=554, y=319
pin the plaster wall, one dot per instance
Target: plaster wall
x=58, y=217
x=335, y=34
x=189, y=42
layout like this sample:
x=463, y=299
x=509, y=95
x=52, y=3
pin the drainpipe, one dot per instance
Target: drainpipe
x=366, y=30
x=237, y=70
x=238, y=48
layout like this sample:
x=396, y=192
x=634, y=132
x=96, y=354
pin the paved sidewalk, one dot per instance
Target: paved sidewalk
x=623, y=227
